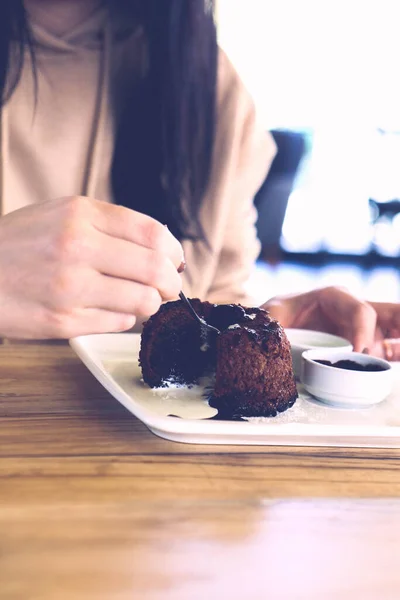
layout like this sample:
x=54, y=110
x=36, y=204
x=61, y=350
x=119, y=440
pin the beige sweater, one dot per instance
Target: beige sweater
x=64, y=146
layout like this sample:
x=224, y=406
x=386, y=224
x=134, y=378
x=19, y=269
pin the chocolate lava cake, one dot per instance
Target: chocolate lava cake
x=251, y=357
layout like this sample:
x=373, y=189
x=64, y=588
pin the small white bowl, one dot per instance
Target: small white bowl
x=344, y=387
x=306, y=339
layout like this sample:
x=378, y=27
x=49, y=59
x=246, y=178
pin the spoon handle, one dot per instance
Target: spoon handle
x=188, y=304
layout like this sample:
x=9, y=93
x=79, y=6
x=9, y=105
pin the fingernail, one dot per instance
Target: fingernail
x=182, y=266
x=365, y=351
x=128, y=323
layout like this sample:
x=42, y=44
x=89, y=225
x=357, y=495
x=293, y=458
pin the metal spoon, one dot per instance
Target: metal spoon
x=208, y=332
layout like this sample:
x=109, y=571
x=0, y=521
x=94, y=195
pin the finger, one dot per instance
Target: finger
x=88, y=321
x=123, y=296
x=388, y=318
x=123, y=223
x=391, y=349
x=126, y=260
x=104, y=321
x=363, y=329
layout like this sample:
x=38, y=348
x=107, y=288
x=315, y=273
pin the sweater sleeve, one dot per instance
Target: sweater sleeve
x=244, y=150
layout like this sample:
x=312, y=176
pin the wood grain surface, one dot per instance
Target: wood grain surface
x=94, y=506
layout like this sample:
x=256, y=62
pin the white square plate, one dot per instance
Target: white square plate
x=183, y=415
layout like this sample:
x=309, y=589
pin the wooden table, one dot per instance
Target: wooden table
x=94, y=506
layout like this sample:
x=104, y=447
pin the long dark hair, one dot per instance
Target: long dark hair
x=164, y=146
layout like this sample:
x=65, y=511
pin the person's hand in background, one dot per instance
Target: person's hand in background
x=75, y=266
x=387, y=332
x=371, y=327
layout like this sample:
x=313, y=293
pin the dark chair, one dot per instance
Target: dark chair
x=272, y=198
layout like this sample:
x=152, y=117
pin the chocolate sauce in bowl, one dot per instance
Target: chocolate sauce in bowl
x=351, y=365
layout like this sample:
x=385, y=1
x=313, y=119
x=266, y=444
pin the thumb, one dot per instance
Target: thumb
x=355, y=319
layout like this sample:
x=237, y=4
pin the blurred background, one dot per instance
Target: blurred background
x=325, y=79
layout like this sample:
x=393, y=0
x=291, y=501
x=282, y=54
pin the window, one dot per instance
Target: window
x=331, y=70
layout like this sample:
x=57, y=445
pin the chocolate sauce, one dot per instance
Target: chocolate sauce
x=351, y=365
x=226, y=417
x=223, y=316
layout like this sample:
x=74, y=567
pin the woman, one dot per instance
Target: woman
x=120, y=118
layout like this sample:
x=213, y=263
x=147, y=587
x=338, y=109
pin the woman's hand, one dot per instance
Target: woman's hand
x=75, y=266
x=372, y=327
